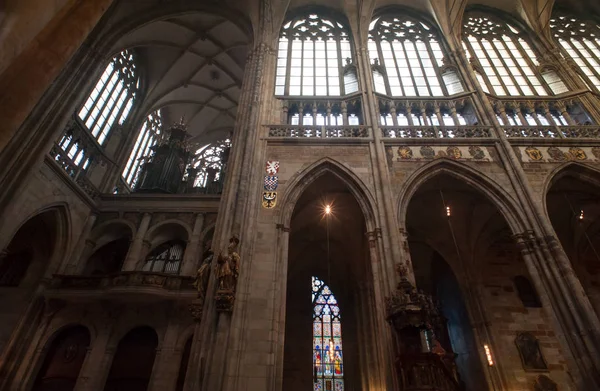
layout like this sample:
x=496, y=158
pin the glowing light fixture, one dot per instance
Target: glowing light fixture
x=581, y=215
x=327, y=209
x=488, y=355
x=448, y=211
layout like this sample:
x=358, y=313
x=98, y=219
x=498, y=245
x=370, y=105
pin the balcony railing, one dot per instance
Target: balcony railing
x=301, y=131
x=161, y=281
x=437, y=132
x=552, y=132
x=77, y=173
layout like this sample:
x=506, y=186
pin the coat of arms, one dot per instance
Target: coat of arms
x=272, y=167
x=577, y=153
x=405, y=153
x=269, y=199
x=533, y=153
x=271, y=183
x=454, y=152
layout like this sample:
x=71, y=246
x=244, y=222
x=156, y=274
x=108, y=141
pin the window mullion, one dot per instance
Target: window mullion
x=493, y=66
x=584, y=59
x=314, y=67
x=95, y=102
x=386, y=77
x=533, y=67
x=135, y=152
x=437, y=68
x=484, y=75
x=288, y=67
x=425, y=77
x=403, y=43
x=509, y=71
x=104, y=105
x=340, y=66
x=393, y=51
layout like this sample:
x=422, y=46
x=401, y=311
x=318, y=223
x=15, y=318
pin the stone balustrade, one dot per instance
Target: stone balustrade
x=437, y=132
x=556, y=132
x=301, y=131
x=161, y=282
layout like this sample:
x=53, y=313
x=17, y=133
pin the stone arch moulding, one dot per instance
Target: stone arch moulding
x=98, y=232
x=157, y=227
x=56, y=329
x=475, y=179
x=304, y=178
x=583, y=172
x=123, y=329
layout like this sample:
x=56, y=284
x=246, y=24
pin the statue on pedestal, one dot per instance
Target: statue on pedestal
x=227, y=276
x=201, y=282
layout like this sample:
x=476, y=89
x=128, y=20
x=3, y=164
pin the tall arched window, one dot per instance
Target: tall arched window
x=504, y=61
x=581, y=41
x=147, y=137
x=112, y=97
x=109, y=103
x=328, y=364
x=411, y=59
x=315, y=58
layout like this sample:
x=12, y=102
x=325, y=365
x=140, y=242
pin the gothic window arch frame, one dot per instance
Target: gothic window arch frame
x=409, y=35
x=293, y=70
x=575, y=48
x=210, y=162
x=505, y=54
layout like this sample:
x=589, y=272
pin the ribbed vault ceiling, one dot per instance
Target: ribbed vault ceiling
x=193, y=66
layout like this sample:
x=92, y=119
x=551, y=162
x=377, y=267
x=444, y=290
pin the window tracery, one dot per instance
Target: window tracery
x=209, y=165
x=504, y=61
x=412, y=60
x=580, y=41
x=108, y=104
x=166, y=258
x=312, y=57
x=328, y=365
x=148, y=136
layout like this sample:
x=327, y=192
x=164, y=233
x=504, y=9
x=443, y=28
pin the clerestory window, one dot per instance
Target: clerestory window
x=208, y=167
x=328, y=359
x=315, y=58
x=111, y=99
x=504, y=60
x=148, y=136
x=580, y=41
x=408, y=60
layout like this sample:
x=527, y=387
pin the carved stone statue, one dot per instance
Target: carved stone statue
x=228, y=266
x=201, y=282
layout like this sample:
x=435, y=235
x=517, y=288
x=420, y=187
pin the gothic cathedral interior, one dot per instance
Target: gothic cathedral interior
x=300, y=195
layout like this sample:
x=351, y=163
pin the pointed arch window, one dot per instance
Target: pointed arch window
x=112, y=98
x=207, y=170
x=328, y=364
x=580, y=41
x=312, y=57
x=148, y=136
x=411, y=58
x=503, y=59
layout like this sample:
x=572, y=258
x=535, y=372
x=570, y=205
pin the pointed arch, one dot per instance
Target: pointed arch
x=583, y=172
x=304, y=178
x=491, y=190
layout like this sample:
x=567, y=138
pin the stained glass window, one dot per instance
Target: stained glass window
x=505, y=62
x=411, y=55
x=581, y=41
x=315, y=58
x=328, y=359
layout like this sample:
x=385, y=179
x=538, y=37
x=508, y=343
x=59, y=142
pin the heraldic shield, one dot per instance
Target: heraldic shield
x=269, y=199
x=271, y=183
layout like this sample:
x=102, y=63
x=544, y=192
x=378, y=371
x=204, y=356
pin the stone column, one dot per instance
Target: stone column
x=77, y=260
x=193, y=250
x=166, y=362
x=26, y=79
x=134, y=254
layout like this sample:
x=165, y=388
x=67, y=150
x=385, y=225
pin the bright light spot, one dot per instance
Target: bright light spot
x=327, y=209
x=581, y=215
x=488, y=354
x=448, y=211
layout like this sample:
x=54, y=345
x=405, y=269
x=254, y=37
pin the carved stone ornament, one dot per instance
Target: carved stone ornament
x=544, y=383
x=405, y=153
x=224, y=300
x=196, y=309
x=530, y=352
x=557, y=154
x=476, y=152
x=427, y=152
x=577, y=153
x=454, y=152
x=596, y=152
x=533, y=153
